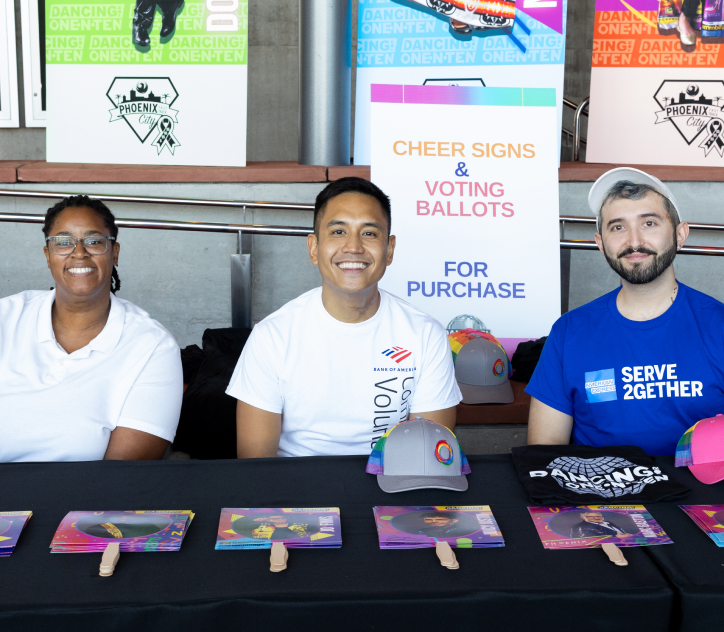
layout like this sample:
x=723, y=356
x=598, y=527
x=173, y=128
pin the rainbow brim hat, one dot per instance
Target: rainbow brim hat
x=419, y=454
x=482, y=367
x=701, y=447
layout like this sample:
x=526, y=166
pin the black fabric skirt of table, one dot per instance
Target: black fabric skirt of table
x=521, y=586
x=693, y=564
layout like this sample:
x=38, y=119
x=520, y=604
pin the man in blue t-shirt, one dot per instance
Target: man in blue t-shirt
x=642, y=364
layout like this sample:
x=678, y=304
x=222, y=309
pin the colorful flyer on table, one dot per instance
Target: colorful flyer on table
x=136, y=531
x=317, y=527
x=590, y=526
x=422, y=527
x=12, y=524
x=710, y=519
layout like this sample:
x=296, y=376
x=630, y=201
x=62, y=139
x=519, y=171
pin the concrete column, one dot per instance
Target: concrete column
x=325, y=81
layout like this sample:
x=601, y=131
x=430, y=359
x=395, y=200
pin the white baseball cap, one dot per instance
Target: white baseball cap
x=603, y=185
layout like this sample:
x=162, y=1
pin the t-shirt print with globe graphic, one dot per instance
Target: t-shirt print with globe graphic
x=605, y=476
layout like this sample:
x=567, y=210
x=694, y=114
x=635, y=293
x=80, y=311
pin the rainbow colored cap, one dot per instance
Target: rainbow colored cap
x=458, y=338
x=701, y=447
x=482, y=367
x=419, y=454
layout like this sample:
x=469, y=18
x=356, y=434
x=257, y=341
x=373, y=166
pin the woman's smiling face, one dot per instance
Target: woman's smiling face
x=80, y=274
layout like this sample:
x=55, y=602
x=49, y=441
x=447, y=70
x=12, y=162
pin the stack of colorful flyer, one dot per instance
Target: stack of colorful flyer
x=590, y=526
x=12, y=524
x=423, y=527
x=136, y=531
x=296, y=528
x=710, y=519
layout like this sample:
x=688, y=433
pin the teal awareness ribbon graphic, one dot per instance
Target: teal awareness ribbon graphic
x=165, y=137
x=715, y=129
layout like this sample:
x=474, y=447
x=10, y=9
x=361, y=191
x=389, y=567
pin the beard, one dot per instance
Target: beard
x=642, y=273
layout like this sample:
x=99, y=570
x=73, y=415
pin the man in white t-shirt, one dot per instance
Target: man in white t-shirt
x=333, y=370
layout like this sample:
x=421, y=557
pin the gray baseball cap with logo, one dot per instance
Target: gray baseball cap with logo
x=419, y=454
x=481, y=369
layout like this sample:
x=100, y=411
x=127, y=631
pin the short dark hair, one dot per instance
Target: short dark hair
x=83, y=201
x=351, y=185
x=625, y=189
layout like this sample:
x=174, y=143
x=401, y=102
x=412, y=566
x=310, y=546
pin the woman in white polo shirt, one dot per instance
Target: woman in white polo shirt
x=84, y=375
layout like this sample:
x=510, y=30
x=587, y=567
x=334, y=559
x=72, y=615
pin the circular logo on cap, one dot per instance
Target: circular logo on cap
x=444, y=453
x=498, y=368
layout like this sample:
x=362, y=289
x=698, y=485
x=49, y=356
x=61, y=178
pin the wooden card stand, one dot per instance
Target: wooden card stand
x=279, y=557
x=614, y=554
x=110, y=558
x=447, y=556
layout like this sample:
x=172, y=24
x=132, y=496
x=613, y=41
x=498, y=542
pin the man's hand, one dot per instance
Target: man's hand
x=445, y=417
x=257, y=432
x=548, y=426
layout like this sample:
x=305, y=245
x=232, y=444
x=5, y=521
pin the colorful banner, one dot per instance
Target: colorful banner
x=457, y=43
x=162, y=81
x=657, y=96
x=474, y=202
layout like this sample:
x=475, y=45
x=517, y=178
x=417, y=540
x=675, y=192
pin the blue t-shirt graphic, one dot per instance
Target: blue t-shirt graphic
x=638, y=383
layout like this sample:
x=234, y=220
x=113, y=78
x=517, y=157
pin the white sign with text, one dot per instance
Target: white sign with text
x=473, y=179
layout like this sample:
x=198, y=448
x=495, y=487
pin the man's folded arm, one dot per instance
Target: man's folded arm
x=548, y=426
x=257, y=432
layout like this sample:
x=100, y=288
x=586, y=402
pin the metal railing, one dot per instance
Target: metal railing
x=57, y=195
x=575, y=244
x=158, y=224
x=241, y=285
x=580, y=110
x=240, y=262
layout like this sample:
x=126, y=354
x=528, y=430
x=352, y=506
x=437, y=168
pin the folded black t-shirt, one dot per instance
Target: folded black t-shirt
x=583, y=474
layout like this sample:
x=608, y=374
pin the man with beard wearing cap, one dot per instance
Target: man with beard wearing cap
x=640, y=365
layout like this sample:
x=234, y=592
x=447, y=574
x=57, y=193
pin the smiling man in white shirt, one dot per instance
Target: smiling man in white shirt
x=333, y=370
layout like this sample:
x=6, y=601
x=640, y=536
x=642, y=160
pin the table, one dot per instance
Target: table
x=358, y=587
x=694, y=565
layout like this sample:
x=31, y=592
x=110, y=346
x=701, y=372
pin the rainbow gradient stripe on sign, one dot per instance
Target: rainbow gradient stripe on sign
x=459, y=338
x=684, y=455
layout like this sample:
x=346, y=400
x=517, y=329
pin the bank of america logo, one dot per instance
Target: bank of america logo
x=398, y=354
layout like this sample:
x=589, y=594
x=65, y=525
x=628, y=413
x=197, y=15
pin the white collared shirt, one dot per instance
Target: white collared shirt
x=56, y=406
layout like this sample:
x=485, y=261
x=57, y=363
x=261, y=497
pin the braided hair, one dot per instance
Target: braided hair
x=83, y=201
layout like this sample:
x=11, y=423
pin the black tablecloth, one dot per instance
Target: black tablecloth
x=519, y=587
x=693, y=564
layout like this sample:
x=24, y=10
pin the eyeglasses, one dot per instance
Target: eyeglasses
x=63, y=245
